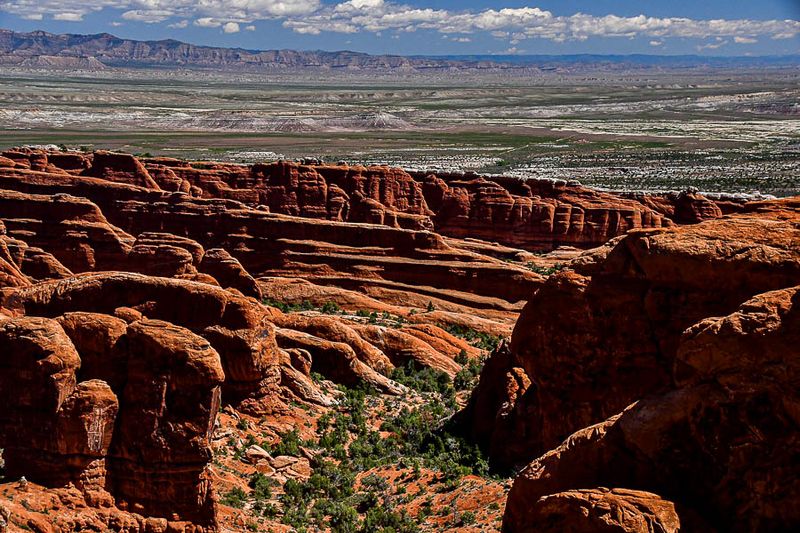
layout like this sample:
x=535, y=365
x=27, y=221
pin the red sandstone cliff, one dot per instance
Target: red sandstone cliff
x=696, y=407
x=131, y=314
x=532, y=214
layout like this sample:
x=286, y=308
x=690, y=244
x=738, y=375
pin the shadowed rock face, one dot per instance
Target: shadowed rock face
x=595, y=339
x=723, y=442
x=698, y=390
x=144, y=440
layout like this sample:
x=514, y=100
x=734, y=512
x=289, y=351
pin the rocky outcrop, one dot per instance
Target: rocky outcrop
x=10, y=273
x=123, y=168
x=721, y=443
x=170, y=403
x=603, y=510
x=239, y=325
x=144, y=442
x=594, y=339
x=228, y=272
x=72, y=229
x=337, y=360
x=542, y=215
x=533, y=214
x=39, y=365
x=687, y=207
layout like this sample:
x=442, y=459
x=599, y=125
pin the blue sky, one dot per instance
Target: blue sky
x=432, y=27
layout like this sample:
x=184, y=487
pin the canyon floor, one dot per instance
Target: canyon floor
x=205, y=346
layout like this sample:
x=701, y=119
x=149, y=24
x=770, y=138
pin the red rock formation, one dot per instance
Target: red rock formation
x=337, y=361
x=149, y=449
x=160, y=260
x=335, y=331
x=596, y=339
x=170, y=403
x=403, y=348
x=239, y=328
x=73, y=229
x=537, y=214
x=533, y=214
x=603, y=510
x=127, y=371
x=122, y=168
x=38, y=375
x=227, y=270
x=101, y=341
x=41, y=265
x=687, y=207
x=10, y=273
x=722, y=443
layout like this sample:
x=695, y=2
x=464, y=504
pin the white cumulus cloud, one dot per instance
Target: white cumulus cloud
x=527, y=23
x=230, y=27
x=150, y=16
x=207, y=22
x=68, y=16
x=313, y=17
x=161, y=10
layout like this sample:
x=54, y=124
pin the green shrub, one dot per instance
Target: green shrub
x=421, y=379
x=348, y=445
x=289, y=444
x=330, y=308
x=384, y=518
x=295, y=516
x=467, y=377
x=479, y=339
x=234, y=498
x=305, y=305
x=545, y=271
x=374, y=483
x=343, y=518
x=467, y=518
x=261, y=485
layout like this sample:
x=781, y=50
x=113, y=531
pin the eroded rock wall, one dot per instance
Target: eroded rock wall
x=533, y=214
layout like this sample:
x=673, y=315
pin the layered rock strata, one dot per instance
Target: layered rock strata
x=531, y=214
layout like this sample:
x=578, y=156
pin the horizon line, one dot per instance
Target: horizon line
x=428, y=56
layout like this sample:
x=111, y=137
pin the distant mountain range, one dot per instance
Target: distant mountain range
x=103, y=50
